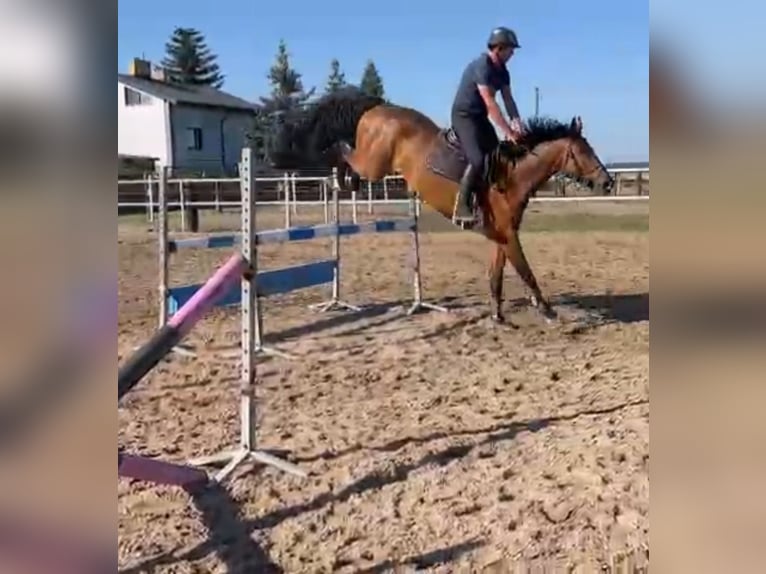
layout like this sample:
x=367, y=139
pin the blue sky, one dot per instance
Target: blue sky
x=589, y=57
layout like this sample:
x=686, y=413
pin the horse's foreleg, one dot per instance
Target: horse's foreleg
x=515, y=254
x=496, y=283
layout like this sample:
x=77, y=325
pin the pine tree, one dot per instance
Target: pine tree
x=337, y=79
x=287, y=96
x=372, y=83
x=188, y=60
x=287, y=90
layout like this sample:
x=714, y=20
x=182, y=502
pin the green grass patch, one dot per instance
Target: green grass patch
x=574, y=222
x=534, y=221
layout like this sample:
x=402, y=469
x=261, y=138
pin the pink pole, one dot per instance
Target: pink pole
x=207, y=296
x=179, y=325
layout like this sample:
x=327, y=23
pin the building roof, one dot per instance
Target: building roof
x=186, y=94
x=628, y=165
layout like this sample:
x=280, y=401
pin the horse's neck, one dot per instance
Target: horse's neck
x=538, y=166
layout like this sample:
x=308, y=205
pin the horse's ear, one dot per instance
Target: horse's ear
x=576, y=125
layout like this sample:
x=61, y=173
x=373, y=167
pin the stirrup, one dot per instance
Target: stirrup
x=466, y=222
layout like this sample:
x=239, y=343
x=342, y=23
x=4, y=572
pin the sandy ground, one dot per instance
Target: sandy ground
x=435, y=443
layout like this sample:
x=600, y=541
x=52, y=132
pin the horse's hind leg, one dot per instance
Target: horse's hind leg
x=352, y=157
x=515, y=254
x=371, y=158
x=356, y=181
x=349, y=180
x=496, y=283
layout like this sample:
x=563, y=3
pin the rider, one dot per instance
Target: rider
x=474, y=105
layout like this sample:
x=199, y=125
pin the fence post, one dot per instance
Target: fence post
x=150, y=197
x=294, y=189
x=286, y=188
x=182, y=202
x=326, y=201
x=369, y=196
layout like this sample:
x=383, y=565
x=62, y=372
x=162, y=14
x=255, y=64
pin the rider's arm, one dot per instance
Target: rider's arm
x=510, y=103
x=488, y=95
x=484, y=84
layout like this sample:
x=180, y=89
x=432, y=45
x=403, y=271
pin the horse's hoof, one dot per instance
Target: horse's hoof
x=498, y=318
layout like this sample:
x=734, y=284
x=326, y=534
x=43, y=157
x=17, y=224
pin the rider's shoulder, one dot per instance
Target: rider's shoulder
x=479, y=60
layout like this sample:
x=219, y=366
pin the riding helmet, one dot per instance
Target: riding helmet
x=503, y=36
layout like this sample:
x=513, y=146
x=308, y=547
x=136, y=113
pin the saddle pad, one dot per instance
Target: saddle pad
x=447, y=159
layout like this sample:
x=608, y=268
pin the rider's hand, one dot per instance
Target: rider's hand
x=517, y=127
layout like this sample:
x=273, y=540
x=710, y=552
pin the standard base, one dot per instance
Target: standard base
x=274, y=352
x=333, y=305
x=422, y=306
x=235, y=353
x=183, y=350
x=234, y=459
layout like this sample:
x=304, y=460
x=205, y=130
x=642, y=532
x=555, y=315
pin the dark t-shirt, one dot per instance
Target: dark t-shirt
x=482, y=70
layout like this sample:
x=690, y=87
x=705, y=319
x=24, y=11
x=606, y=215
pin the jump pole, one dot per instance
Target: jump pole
x=335, y=301
x=148, y=355
x=180, y=324
x=246, y=450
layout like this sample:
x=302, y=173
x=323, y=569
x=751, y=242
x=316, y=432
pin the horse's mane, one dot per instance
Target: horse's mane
x=537, y=130
x=330, y=119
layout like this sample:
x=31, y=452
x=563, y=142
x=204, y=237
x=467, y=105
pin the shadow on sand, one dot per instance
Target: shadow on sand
x=232, y=538
x=607, y=308
x=428, y=559
x=372, y=315
x=229, y=537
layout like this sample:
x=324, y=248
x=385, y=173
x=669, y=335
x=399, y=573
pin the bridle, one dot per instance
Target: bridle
x=570, y=155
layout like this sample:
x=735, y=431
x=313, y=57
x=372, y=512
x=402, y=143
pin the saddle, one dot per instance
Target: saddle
x=447, y=158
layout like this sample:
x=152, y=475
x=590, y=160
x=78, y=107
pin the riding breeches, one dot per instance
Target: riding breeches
x=477, y=137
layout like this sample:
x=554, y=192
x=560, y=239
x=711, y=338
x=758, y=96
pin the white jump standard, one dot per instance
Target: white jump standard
x=284, y=280
x=247, y=443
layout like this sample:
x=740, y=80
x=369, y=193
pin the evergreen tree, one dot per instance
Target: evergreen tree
x=287, y=96
x=372, y=83
x=188, y=60
x=287, y=90
x=337, y=79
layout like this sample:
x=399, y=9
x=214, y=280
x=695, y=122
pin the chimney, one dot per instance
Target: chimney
x=159, y=74
x=140, y=68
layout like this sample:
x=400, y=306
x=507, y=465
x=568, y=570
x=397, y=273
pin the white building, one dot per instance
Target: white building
x=195, y=130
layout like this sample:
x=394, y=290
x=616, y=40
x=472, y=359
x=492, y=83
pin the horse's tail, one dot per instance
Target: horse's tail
x=333, y=118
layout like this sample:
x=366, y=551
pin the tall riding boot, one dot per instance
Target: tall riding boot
x=464, y=206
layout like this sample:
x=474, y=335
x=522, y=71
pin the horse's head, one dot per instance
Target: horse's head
x=581, y=163
x=556, y=147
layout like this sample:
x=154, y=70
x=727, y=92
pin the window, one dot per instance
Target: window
x=194, y=138
x=135, y=98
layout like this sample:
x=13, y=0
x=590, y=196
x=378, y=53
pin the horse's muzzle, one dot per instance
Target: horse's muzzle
x=604, y=187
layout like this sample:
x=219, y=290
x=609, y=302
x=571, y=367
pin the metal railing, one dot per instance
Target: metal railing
x=290, y=191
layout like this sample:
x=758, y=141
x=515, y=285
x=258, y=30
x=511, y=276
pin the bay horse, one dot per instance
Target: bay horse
x=393, y=139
